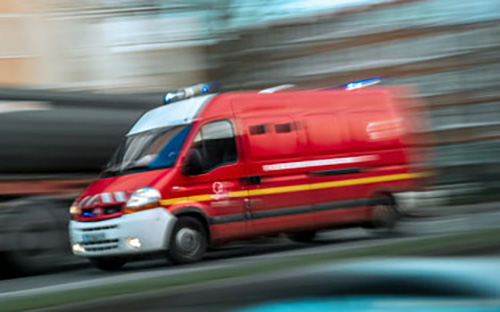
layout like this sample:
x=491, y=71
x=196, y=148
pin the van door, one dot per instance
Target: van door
x=278, y=198
x=215, y=185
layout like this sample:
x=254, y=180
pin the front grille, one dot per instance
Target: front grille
x=100, y=248
x=100, y=228
x=107, y=241
x=100, y=245
x=112, y=209
x=101, y=211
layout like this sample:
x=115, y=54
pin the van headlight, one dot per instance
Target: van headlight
x=74, y=210
x=142, y=199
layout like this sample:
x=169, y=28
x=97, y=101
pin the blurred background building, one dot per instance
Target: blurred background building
x=446, y=49
x=105, y=44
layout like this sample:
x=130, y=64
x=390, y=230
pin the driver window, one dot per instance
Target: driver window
x=216, y=144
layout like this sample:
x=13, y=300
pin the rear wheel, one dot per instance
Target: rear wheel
x=302, y=237
x=384, y=217
x=108, y=263
x=188, y=242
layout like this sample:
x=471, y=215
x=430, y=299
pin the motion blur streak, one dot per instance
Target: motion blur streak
x=75, y=76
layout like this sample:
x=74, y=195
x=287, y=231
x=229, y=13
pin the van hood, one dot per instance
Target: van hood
x=114, y=190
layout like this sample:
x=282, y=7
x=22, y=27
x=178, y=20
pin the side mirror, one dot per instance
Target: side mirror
x=193, y=164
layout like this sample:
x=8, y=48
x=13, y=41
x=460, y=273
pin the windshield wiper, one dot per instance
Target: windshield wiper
x=109, y=171
x=135, y=168
x=113, y=171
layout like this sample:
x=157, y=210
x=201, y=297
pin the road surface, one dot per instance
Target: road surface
x=82, y=275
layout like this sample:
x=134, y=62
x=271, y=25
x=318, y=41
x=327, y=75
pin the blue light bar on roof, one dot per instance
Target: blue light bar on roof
x=182, y=94
x=362, y=84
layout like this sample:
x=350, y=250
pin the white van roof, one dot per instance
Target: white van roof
x=175, y=114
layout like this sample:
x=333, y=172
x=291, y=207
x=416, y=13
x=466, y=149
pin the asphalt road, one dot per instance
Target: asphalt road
x=80, y=276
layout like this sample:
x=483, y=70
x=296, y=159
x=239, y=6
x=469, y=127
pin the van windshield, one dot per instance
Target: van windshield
x=148, y=150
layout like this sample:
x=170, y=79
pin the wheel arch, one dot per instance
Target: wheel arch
x=382, y=196
x=197, y=213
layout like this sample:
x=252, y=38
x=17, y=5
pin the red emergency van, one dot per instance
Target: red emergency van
x=216, y=168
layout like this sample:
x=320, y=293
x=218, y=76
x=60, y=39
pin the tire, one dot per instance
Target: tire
x=108, y=263
x=302, y=237
x=188, y=242
x=384, y=218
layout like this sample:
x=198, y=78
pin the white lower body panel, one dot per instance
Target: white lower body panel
x=109, y=237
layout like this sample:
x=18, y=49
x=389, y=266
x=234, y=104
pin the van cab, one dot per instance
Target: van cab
x=222, y=167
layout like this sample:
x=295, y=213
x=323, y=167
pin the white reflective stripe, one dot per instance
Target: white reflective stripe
x=317, y=163
x=120, y=196
x=106, y=198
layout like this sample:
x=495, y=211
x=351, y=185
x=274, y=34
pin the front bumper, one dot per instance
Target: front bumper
x=109, y=238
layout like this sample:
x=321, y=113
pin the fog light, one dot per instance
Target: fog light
x=78, y=248
x=134, y=242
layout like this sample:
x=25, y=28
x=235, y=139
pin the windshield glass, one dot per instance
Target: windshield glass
x=148, y=150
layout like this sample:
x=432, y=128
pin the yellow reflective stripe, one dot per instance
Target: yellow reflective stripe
x=393, y=177
x=172, y=201
x=238, y=194
x=196, y=198
x=200, y=198
x=298, y=188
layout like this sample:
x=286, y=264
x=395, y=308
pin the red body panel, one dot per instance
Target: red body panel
x=127, y=183
x=306, y=160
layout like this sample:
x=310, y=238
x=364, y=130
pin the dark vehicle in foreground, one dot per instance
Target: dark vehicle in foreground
x=51, y=145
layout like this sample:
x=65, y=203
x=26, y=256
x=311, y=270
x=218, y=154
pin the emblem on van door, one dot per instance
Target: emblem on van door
x=219, y=191
x=218, y=188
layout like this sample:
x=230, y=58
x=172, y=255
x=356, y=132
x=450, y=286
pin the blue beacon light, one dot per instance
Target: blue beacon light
x=168, y=98
x=362, y=84
x=182, y=94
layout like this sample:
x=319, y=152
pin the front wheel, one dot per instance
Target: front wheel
x=108, y=263
x=188, y=242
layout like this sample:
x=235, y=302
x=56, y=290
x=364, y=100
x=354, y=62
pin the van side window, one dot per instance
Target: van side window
x=259, y=129
x=281, y=139
x=283, y=128
x=216, y=144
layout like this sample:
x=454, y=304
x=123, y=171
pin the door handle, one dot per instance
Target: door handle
x=248, y=203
